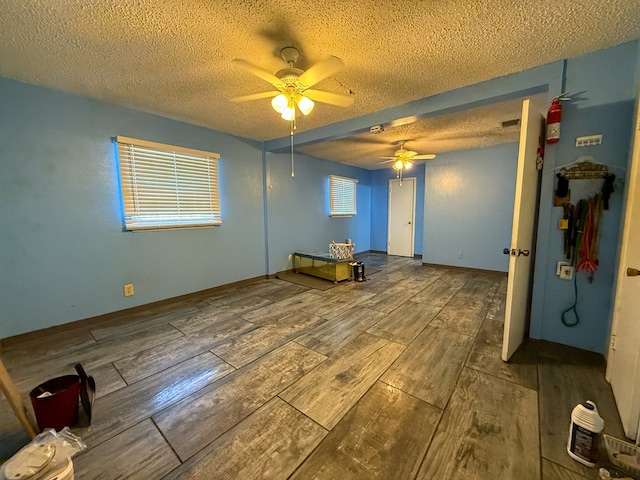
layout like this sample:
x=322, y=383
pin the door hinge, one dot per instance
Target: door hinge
x=612, y=342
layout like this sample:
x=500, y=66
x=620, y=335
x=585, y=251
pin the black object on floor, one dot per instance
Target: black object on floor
x=87, y=390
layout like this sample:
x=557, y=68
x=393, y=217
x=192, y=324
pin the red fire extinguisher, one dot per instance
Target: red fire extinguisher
x=554, y=115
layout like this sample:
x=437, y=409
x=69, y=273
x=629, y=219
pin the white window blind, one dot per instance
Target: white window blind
x=342, y=196
x=164, y=186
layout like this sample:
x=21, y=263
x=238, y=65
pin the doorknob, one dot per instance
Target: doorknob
x=516, y=253
x=633, y=272
x=409, y=223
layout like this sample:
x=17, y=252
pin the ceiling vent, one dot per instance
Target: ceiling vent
x=510, y=123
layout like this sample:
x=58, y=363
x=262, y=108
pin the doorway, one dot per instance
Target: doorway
x=402, y=213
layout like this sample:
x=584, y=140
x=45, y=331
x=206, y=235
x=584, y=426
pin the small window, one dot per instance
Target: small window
x=342, y=196
x=167, y=187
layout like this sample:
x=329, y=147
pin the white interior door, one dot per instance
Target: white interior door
x=623, y=362
x=524, y=211
x=402, y=212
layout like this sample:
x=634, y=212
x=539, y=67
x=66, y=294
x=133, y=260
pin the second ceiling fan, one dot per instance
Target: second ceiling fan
x=403, y=159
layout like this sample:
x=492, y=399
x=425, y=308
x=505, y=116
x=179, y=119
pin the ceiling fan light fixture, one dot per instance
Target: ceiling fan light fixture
x=305, y=104
x=280, y=103
x=407, y=164
x=397, y=165
x=289, y=113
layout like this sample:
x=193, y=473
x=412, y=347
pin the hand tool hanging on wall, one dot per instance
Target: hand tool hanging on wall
x=563, y=186
x=607, y=189
x=568, y=217
x=578, y=229
x=584, y=247
x=588, y=250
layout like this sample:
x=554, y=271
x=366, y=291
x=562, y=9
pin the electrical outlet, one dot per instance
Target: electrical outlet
x=128, y=290
x=560, y=264
x=566, y=272
x=459, y=254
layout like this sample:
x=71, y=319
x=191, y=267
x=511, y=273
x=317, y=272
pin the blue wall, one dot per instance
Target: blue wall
x=298, y=208
x=468, y=207
x=64, y=255
x=380, y=207
x=606, y=107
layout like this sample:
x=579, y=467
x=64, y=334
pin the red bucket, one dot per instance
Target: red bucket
x=60, y=408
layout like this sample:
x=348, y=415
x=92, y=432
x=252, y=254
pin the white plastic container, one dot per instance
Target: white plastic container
x=584, y=433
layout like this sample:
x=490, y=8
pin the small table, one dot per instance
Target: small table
x=322, y=265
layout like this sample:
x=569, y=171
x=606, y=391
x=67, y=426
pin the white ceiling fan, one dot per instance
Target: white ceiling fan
x=403, y=159
x=293, y=85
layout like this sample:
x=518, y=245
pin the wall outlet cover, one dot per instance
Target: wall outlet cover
x=561, y=263
x=128, y=290
x=566, y=272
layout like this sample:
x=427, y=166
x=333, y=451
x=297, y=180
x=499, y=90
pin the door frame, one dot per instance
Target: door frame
x=413, y=181
x=632, y=424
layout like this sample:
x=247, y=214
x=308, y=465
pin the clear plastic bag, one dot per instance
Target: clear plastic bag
x=50, y=449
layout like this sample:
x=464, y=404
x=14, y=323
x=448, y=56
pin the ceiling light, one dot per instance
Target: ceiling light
x=285, y=103
x=305, y=104
x=279, y=103
x=407, y=164
x=289, y=113
x=397, y=165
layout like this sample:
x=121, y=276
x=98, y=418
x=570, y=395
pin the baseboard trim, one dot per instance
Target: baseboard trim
x=92, y=322
x=465, y=269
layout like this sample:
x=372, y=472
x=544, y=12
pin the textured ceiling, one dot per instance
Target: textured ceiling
x=475, y=128
x=175, y=58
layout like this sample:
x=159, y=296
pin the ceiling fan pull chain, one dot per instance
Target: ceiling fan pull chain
x=292, y=128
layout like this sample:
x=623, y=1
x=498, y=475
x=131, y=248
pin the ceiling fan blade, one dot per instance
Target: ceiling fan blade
x=330, y=98
x=255, y=96
x=386, y=161
x=390, y=158
x=426, y=156
x=321, y=70
x=259, y=72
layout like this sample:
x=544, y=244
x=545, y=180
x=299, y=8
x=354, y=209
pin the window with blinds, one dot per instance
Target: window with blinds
x=164, y=186
x=342, y=196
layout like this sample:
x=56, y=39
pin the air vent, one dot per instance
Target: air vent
x=510, y=123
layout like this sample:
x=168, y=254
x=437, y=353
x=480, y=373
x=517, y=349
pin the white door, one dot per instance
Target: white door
x=623, y=362
x=402, y=212
x=524, y=211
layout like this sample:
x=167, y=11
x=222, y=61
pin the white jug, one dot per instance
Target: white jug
x=584, y=433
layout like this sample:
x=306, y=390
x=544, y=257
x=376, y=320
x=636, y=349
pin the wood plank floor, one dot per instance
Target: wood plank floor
x=398, y=377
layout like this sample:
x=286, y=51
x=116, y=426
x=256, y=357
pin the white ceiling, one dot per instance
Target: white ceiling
x=175, y=58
